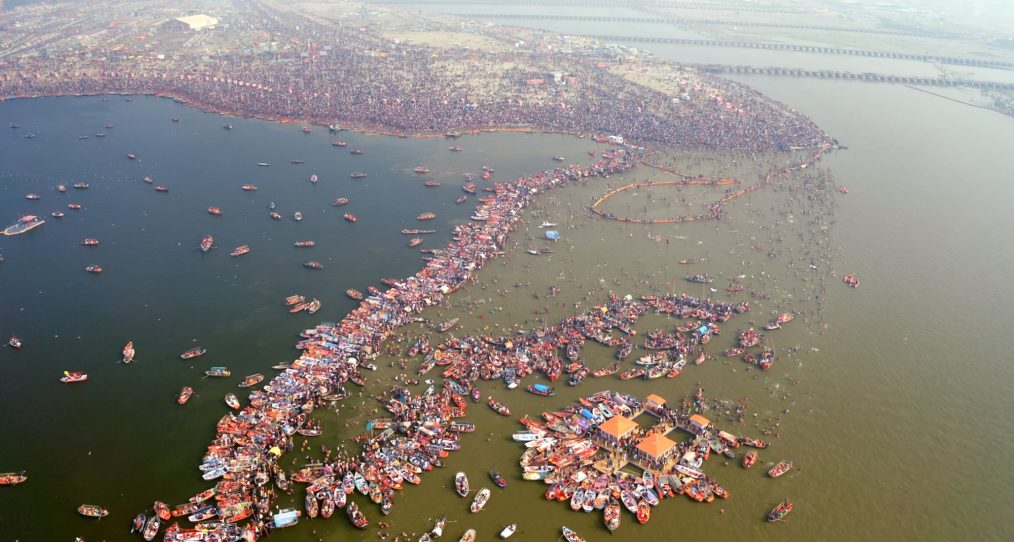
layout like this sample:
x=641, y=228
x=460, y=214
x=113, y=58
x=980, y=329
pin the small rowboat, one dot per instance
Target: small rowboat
x=780, y=511
x=193, y=352
x=162, y=510
x=780, y=468
x=461, y=484
x=92, y=511
x=480, y=500
x=185, y=395
x=69, y=377
x=12, y=478
x=232, y=401
x=251, y=380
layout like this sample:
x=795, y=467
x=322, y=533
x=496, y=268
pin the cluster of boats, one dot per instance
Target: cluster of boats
x=242, y=459
x=578, y=462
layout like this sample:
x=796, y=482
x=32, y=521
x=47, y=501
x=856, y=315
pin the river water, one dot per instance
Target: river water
x=898, y=426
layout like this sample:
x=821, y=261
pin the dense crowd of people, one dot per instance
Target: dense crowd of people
x=332, y=74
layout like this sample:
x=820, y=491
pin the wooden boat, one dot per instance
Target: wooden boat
x=469, y=536
x=137, y=525
x=444, y=326
x=340, y=201
x=611, y=516
x=94, y=268
x=161, y=188
x=356, y=152
x=302, y=244
x=481, y=498
x=151, y=528
x=749, y=459
x=297, y=216
x=355, y=516
x=185, y=395
x=162, y=510
x=313, y=178
x=461, y=484
x=354, y=294
x=431, y=184
x=275, y=215
x=15, y=342
x=193, y=352
x=570, y=535
x=240, y=250
x=499, y=407
x=251, y=380
x=214, y=211
x=57, y=214
x=497, y=478
x=339, y=144
x=232, y=401
x=313, y=264
x=753, y=442
x=131, y=156
x=74, y=206
x=781, y=510
x=311, y=505
x=409, y=231
x=426, y=216
x=415, y=242
x=128, y=352
x=313, y=306
x=12, y=478
x=249, y=187
x=70, y=377
x=350, y=217
x=218, y=372
x=461, y=199
x=92, y=511
x=509, y=530
x=643, y=511
x=421, y=170
x=780, y=468
x=541, y=389
x=294, y=300
x=90, y=242
x=206, y=243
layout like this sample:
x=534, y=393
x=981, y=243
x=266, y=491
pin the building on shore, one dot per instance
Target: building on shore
x=190, y=22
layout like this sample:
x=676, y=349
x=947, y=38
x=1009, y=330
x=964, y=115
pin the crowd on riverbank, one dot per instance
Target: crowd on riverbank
x=327, y=74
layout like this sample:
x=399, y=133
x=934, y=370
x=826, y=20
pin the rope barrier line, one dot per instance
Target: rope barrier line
x=715, y=210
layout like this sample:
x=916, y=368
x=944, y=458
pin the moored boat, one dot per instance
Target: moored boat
x=354, y=294
x=294, y=300
x=232, y=401
x=251, y=380
x=469, y=536
x=749, y=459
x=541, y=389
